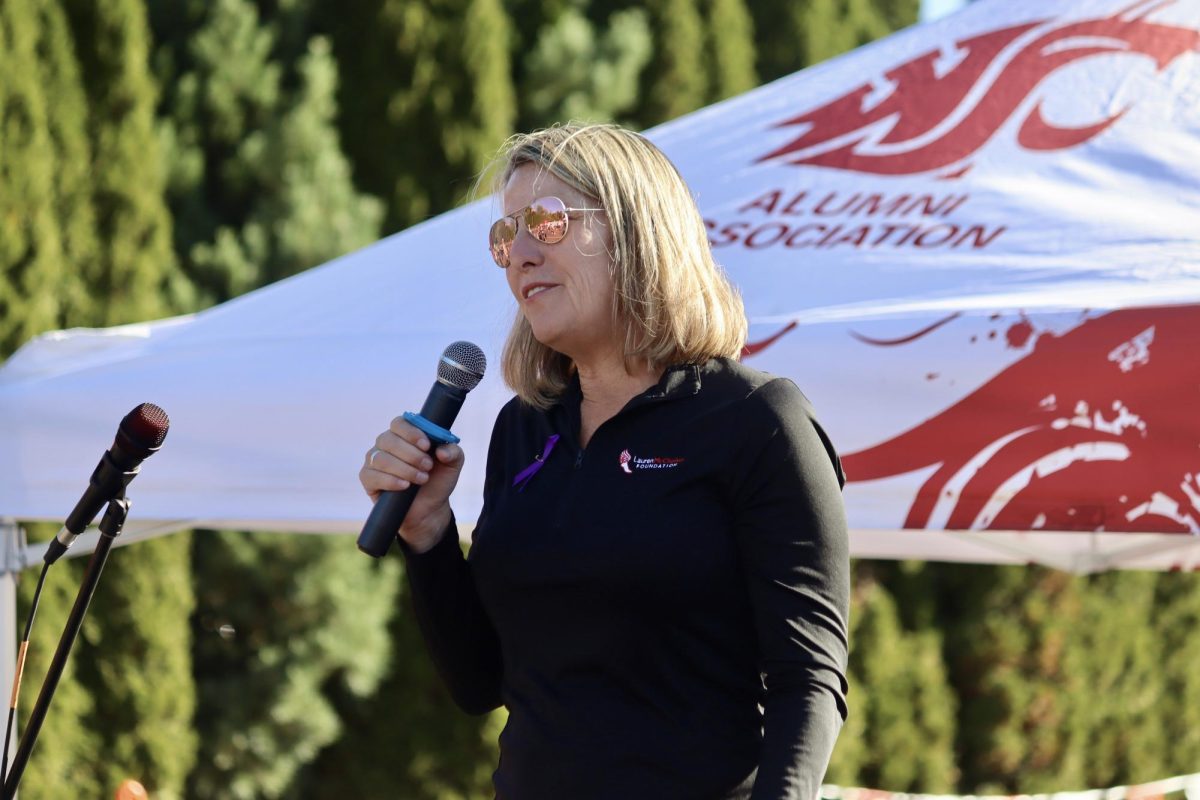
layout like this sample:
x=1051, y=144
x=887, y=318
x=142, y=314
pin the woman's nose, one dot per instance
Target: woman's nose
x=525, y=250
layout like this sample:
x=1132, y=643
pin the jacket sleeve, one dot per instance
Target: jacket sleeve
x=791, y=529
x=458, y=634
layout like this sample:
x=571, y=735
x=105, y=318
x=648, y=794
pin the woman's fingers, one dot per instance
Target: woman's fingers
x=451, y=455
x=411, y=468
x=401, y=457
x=405, y=443
x=409, y=432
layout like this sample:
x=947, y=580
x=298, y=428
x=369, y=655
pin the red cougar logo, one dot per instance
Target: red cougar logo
x=941, y=107
x=1095, y=429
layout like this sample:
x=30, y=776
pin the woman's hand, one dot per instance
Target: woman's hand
x=401, y=458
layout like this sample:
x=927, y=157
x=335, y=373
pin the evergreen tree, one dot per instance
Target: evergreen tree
x=67, y=126
x=53, y=275
x=260, y=187
x=903, y=696
x=305, y=208
x=898, y=14
x=793, y=34
x=408, y=739
x=136, y=272
x=1019, y=675
x=68, y=768
x=1124, y=708
x=572, y=73
x=676, y=79
x=134, y=649
x=136, y=627
x=833, y=27
x=1069, y=682
x=430, y=102
x=731, y=45
x=1174, y=624
x=223, y=87
x=263, y=191
x=33, y=275
x=279, y=618
x=45, y=213
x=134, y=658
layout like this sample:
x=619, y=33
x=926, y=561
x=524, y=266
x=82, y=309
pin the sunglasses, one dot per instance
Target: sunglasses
x=545, y=219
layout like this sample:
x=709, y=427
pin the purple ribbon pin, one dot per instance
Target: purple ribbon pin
x=526, y=475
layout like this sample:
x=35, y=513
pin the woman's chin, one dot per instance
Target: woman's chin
x=547, y=337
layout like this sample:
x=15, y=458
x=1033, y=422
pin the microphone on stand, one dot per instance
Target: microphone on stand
x=139, y=436
x=460, y=370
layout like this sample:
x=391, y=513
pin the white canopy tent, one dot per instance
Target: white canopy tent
x=975, y=245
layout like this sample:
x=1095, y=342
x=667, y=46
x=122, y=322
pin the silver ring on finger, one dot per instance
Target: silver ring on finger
x=371, y=458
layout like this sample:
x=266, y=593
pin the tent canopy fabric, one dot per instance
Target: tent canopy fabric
x=975, y=245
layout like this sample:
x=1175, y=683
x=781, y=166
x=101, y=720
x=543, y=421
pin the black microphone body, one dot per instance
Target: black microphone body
x=460, y=370
x=110, y=477
x=139, y=436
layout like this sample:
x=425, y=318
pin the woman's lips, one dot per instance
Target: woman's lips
x=538, y=288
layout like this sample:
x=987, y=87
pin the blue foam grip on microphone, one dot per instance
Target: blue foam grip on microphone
x=436, y=433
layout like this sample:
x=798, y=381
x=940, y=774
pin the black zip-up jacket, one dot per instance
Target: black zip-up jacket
x=663, y=612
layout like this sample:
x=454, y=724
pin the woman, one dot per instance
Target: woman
x=657, y=584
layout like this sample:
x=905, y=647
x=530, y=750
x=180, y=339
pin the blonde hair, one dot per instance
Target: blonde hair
x=674, y=302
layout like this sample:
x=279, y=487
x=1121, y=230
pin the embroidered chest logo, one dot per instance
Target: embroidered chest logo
x=629, y=462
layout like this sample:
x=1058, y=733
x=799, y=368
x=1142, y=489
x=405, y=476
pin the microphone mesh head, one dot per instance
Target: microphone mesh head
x=462, y=365
x=146, y=426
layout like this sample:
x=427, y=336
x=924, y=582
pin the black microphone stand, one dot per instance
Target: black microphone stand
x=110, y=529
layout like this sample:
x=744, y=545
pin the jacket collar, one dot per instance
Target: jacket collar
x=677, y=381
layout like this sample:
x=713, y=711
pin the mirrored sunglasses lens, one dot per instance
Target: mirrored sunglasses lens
x=500, y=240
x=546, y=219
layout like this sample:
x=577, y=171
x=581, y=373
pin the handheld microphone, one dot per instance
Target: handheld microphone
x=460, y=369
x=139, y=436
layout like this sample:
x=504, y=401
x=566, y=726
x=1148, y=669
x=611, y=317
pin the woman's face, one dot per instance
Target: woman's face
x=565, y=290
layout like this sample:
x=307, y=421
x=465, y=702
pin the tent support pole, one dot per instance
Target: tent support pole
x=11, y=547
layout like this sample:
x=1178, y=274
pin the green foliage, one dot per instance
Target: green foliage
x=136, y=272
x=1068, y=682
x=278, y=618
x=431, y=98
x=575, y=73
x=226, y=88
x=66, y=124
x=84, y=224
x=134, y=657
x=731, y=43
x=263, y=190
x=1018, y=672
x=1174, y=622
x=676, y=79
x=1124, y=704
x=37, y=205
x=793, y=34
x=260, y=187
x=902, y=697
x=124, y=705
x=69, y=768
x=407, y=739
x=306, y=209
x=833, y=27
